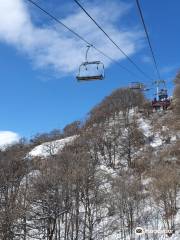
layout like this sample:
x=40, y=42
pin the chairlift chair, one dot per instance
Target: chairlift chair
x=135, y=85
x=97, y=66
x=138, y=86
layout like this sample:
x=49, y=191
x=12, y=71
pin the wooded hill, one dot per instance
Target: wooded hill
x=119, y=171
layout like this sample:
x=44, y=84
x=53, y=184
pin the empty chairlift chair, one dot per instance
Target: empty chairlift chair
x=138, y=86
x=91, y=70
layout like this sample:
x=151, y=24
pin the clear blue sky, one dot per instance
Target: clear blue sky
x=39, y=97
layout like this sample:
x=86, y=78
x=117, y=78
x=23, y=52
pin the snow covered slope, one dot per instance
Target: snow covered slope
x=121, y=191
x=50, y=148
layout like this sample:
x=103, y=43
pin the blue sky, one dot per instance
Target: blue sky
x=39, y=59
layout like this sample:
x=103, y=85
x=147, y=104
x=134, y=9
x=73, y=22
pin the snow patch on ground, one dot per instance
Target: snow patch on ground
x=173, y=138
x=28, y=178
x=51, y=148
x=145, y=126
x=157, y=141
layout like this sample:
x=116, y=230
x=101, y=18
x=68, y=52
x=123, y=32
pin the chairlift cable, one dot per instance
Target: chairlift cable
x=107, y=35
x=148, y=39
x=80, y=37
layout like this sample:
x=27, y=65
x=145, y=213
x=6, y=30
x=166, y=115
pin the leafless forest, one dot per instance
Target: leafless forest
x=106, y=182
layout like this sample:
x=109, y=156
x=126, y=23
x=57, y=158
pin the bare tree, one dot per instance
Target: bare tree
x=72, y=129
x=164, y=190
x=13, y=167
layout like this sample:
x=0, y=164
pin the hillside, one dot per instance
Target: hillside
x=119, y=170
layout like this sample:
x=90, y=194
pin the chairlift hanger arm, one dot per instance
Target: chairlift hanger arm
x=87, y=50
